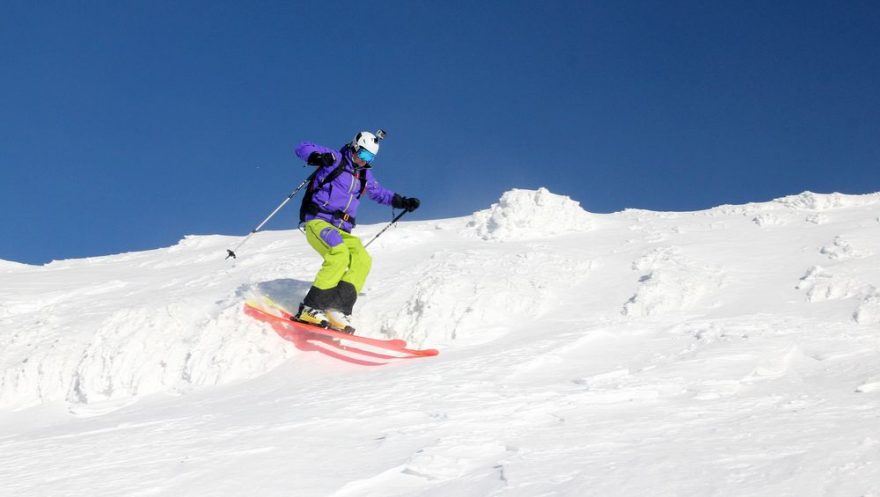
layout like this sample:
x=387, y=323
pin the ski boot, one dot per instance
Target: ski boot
x=313, y=316
x=340, y=321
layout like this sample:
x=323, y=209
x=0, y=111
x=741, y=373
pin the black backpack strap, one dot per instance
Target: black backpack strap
x=307, y=197
x=308, y=206
x=330, y=177
x=362, y=177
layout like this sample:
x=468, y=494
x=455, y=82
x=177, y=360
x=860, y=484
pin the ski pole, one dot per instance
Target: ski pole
x=392, y=223
x=231, y=253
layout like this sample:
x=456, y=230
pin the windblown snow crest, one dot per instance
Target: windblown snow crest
x=529, y=214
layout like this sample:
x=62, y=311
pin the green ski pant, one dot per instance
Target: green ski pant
x=345, y=261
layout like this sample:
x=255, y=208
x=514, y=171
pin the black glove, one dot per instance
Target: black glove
x=406, y=203
x=318, y=159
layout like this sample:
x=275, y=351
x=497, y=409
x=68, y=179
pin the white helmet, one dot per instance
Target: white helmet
x=368, y=141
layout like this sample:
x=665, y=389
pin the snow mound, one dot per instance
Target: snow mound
x=821, y=285
x=528, y=214
x=670, y=282
x=841, y=249
x=868, y=312
x=827, y=201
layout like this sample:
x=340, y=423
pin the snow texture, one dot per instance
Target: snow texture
x=733, y=351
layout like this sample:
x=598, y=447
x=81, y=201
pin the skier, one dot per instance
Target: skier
x=328, y=210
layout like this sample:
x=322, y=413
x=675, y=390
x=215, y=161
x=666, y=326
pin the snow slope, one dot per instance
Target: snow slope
x=733, y=351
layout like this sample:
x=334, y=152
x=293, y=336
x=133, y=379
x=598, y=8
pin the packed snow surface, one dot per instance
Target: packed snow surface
x=728, y=352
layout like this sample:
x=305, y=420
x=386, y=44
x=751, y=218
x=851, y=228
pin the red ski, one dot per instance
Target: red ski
x=391, y=345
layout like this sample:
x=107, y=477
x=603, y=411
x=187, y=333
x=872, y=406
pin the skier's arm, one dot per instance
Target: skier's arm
x=306, y=149
x=386, y=197
x=376, y=192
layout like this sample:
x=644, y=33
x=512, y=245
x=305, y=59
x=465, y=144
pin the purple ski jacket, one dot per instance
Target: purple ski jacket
x=340, y=196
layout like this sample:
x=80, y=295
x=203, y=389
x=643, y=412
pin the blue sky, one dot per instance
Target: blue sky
x=127, y=125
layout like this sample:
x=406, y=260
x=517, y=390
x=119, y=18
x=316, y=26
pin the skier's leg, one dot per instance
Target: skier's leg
x=327, y=240
x=353, y=280
x=339, y=315
x=360, y=265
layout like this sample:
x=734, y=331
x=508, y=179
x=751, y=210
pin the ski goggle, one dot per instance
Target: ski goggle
x=365, y=155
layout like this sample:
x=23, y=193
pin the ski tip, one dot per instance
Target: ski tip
x=426, y=352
